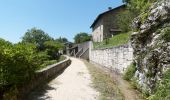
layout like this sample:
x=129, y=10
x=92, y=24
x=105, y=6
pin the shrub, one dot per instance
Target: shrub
x=134, y=83
x=52, y=49
x=130, y=72
x=166, y=34
x=163, y=90
x=123, y=20
x=41, y=57
x=17, y=65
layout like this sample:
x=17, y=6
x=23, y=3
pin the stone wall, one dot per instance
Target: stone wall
x=115, y=58
x=43, y=76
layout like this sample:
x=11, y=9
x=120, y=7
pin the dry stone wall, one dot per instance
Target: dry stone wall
x=43, y=76
x=115, y=58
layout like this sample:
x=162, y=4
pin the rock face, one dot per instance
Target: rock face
x=151, y=43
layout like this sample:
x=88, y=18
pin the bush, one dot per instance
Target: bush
x=163, y=90
x=52, y=49
x=124, y=20
x=17, y=65
x=41, y=57
x=130, y=72
x=166, y=34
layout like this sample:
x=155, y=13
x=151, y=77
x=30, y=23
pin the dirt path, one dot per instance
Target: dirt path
x=72, y=84
x=125, y=88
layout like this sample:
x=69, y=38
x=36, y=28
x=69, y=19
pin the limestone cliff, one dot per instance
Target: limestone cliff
x=151, y=43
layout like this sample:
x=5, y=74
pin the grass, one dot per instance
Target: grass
x=116, y=40
x=50, y=62
x=103, y=83
x=129, y=73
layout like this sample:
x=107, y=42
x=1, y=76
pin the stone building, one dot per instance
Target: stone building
x=105, y=26
x=80, y=50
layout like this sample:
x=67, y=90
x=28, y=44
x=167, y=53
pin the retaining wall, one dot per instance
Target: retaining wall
x=43, y=76
x=116, y=58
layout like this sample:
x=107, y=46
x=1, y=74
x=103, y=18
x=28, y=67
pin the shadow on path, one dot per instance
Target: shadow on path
x=40, y=92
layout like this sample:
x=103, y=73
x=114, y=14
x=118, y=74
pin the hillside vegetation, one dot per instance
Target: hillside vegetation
x=151, y=44
x=20, y=61
x=116, y=40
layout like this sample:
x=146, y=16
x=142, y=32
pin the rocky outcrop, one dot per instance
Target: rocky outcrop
x=151, y=43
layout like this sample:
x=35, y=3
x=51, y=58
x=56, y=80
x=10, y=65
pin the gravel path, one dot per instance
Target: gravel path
x=73, y=84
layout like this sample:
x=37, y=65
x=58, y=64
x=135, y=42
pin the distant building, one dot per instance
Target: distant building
x=77, y=50
x=105, y=24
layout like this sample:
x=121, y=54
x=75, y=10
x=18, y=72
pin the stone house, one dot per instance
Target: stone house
x=105, y=25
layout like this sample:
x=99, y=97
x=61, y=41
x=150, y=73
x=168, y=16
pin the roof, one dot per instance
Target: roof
x=102, y=14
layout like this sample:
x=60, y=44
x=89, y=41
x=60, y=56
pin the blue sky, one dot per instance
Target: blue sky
x=58, y=18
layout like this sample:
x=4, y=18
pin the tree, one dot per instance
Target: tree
x=138, y=6
x=124, y=20
x=82, y=37
x=134, y=8
x=37, y=37
x=52, y=48
x=62, y=40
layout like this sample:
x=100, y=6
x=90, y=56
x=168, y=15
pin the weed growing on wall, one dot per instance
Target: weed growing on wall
x=129, y=73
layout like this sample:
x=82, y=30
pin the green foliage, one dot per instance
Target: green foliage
x=37, y=37
x=134, y=82
x=17, y=63
x=166, y=34
x=53, y=48
x=62, y=40
x=139, y=6
x=134, y=8
x=41, y=57
x=130, y=72
x=20, y=61
x=82, y=37
x=163, y=89
x=116, y=40
x=50, y=62
x=144, y=16
x=124, y=20
x=44, y=43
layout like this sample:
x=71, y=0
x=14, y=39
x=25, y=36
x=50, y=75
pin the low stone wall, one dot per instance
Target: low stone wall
x=115, y=58
x=43, y=76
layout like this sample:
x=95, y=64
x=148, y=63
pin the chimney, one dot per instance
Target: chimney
x=109, y=8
